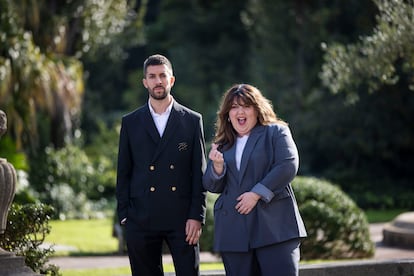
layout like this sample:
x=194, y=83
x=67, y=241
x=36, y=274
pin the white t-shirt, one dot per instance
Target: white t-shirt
x=240, y=144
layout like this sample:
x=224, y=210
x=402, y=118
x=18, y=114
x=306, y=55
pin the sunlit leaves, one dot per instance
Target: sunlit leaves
x=40, y=70
x=372, y=61
x=101, y=22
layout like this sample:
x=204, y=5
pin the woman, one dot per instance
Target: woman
x=253, y=159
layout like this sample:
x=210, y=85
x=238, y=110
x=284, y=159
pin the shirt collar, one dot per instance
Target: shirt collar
x=167, y=111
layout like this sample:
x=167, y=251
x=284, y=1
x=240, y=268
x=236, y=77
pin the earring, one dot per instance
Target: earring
x=228, y=119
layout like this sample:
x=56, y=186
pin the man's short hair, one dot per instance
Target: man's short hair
x=157, y=59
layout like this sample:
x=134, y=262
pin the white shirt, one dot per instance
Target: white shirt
x=160, y=120
x=240, y=144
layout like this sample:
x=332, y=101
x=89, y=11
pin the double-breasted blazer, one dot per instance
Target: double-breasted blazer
x=269, y=163
x=159, y=179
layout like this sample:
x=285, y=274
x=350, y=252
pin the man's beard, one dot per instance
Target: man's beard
x=157, y=96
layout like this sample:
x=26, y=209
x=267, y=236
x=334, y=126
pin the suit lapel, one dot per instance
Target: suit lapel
x=149, y=125
x=169, y=131
x=248, y=149
x=230, y=157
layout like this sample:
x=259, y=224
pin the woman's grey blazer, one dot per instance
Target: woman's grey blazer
x=269, y=163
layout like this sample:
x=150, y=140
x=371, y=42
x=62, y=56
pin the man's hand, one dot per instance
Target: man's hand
x=192, y=231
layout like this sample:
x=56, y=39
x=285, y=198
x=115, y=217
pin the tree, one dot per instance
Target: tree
x=33, y=81
x=286, y=57
x=377, y=59
x=208, y=45
x=373, y=77
x=41, y=73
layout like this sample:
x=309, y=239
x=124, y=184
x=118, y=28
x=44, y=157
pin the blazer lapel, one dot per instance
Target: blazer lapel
x=170, y=129
x=230, y=157
x=248, y=149
x=149, y=125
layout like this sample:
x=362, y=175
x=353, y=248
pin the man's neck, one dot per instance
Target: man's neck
x=160, y=106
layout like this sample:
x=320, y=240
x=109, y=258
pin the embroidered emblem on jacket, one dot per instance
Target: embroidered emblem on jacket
x=182, y=146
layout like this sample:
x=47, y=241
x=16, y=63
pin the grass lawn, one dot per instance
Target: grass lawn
x=94, y=237
x=375, y=216
x=97, y=272
x=86, y=237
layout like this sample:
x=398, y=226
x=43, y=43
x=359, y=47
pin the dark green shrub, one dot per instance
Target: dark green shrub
x=337, y=228
x=70, y=165
x=27, y=227
x=75, y=184
x=382, y=194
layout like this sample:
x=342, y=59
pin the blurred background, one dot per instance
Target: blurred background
x=341, y=73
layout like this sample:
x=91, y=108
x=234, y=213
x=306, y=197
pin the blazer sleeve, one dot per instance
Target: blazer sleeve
x=198, y=202
x=285, y=161
x=211, y=181
x=123, y=172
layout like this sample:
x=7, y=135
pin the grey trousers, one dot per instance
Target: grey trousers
x=280, y=259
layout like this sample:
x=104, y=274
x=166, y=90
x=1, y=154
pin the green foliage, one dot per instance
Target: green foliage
x=374, y=60
x=34, y=81
x=103, y=26
x=24, y=194
x=346, y=143
x=350, y=145
x=208, y=49
x=394, y=194
x=343, y=137
x=337, y=228
x=103, y=152
x=25, y=233
x=8, y=150
x=285, y=54
x=70, y=165
x=76, y=185
x=373, y=162
x=40, y=69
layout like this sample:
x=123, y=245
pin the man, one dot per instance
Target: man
x=159, y=188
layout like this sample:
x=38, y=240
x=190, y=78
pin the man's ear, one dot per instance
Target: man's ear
x=144, y=82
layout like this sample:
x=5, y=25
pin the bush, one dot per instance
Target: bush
x=337, y=228
x=75, y=184
x=382, y=194
x=27, y=227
